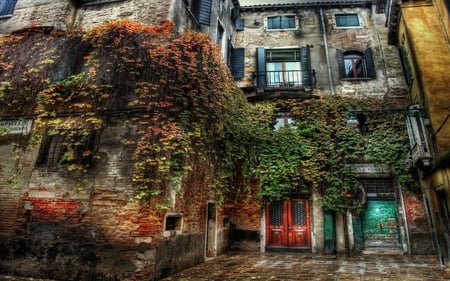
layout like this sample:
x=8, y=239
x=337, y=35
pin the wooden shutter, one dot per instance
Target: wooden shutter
x=260, y=68
x=305, y=60
x=237, y=62
x=204, y=12
x=341, y=63
x=7, y=9
x=370, y=65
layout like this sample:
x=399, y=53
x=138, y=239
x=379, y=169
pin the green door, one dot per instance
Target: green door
x=380, y=224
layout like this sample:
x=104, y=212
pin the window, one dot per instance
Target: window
x=7, y=8
x=346, y=20
x=173, y=224
x=283, y=68
x=283, y=119
x=237, y=62
x=202, y=10
x=281, y=22
x=406, y=66
x=66, y=147
x=355, y=64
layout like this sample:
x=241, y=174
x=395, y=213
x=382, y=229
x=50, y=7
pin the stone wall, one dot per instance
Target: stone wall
x=389, y=81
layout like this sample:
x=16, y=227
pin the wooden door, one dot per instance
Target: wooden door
x=288, y=225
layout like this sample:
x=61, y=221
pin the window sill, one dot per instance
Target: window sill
x=99, y=2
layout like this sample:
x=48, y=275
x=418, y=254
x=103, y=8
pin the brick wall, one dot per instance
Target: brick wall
x=419, y=234
x=94, y=227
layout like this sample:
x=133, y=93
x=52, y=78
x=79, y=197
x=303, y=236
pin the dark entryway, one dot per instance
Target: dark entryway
x=288, y=225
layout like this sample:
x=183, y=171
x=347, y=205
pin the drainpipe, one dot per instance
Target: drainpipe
x=429, y=209
x=325, y=43
x=402, y=202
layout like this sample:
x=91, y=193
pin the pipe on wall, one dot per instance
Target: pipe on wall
x=327, y=55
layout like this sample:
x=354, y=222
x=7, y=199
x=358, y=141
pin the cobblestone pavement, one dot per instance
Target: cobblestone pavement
x=287, y=267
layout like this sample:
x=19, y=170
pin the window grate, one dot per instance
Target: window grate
x=299, y=213
x=377, y=185
x=276, y=213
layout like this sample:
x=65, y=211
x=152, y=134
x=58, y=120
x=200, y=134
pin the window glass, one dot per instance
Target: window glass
x=281, y=22
x=347, y=20
x=355, y=64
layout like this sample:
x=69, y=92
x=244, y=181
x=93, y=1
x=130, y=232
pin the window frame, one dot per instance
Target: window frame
x=7, y=11
x=295, y=19
x=96, y=2
x=367, y=60
x=53, y=148
x=335, y=21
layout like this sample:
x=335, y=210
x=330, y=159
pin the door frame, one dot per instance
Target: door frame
x=288, y=232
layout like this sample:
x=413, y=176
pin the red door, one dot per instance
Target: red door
x=288, y=225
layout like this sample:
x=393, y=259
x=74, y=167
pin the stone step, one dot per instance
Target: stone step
x=382, y=251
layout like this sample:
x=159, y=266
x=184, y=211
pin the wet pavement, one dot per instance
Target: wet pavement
x=282, y=266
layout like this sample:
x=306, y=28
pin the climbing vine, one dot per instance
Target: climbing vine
x=184, y=105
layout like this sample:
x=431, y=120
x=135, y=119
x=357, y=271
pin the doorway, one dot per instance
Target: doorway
x=381, y=225
x=211, y=230
x=288, y=226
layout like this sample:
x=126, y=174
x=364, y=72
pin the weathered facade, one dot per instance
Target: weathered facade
x=421, y=33
x=307, y=49
x=90, y=227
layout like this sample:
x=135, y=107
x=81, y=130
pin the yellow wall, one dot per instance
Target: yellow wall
x=429, y=50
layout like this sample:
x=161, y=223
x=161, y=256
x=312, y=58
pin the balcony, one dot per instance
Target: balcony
x=282, y=84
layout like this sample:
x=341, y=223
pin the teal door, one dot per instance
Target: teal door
x=380, y=224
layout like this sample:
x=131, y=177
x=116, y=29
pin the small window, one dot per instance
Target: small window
x=281, y=22
x=355, y=64
x=283, y=119
x=66, y=147
x=347, y=20
x=173, y=224
x=7, y=8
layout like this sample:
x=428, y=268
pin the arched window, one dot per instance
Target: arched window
x=355, y=64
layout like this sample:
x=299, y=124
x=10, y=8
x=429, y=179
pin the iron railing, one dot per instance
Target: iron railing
x=285, y=79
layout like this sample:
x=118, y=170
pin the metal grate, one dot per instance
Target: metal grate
x=276, y=213
x=377, y=185
x=299, y=213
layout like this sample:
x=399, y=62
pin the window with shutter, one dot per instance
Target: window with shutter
x=7, y=8
x=202, y=11
x=237, y=62
x=283, y=68
x=355, y=64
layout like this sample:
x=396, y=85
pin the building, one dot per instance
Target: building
x=216, y=18
x=420, y=30
x=305, y=49
x=105, y=235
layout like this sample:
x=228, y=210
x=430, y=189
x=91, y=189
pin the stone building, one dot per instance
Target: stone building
x=90, y=228
x=420, y=30
x=304, y=49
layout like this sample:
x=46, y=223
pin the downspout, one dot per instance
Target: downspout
x=325, y=43
x=429, y=209
x=402, y=202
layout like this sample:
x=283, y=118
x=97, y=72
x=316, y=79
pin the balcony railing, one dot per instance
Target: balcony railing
x=285, y=79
